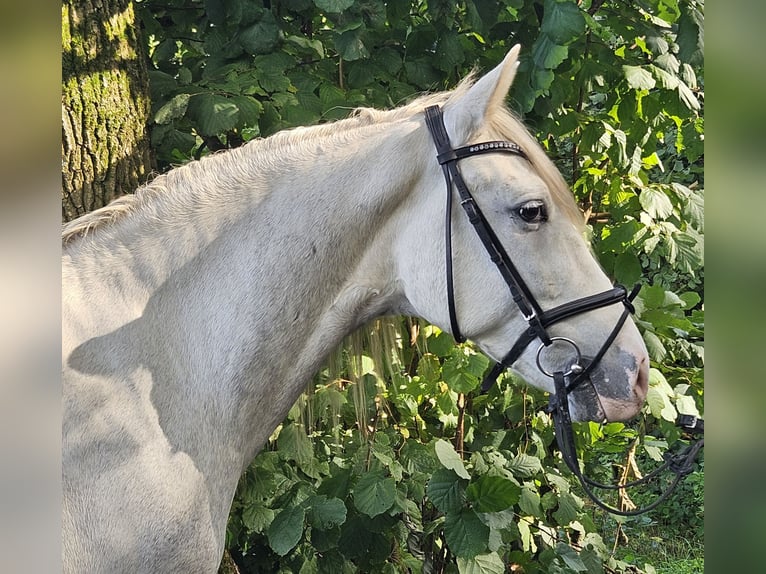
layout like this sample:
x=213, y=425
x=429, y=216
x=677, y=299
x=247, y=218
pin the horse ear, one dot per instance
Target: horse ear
x=464, y=114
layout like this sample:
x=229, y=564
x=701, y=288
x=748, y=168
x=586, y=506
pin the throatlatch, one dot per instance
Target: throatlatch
x=565, y=382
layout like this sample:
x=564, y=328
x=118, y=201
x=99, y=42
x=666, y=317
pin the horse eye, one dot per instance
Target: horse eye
x=533, y=212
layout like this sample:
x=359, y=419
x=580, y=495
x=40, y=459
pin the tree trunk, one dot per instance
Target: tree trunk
x=104, y=104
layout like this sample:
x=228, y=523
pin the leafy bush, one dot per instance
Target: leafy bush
x=394, y=495
x=361, y=476
x=364, y=475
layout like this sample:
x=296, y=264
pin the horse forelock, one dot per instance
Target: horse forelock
x=261, y=153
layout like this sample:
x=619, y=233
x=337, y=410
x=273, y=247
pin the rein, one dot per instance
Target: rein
x=538, y=321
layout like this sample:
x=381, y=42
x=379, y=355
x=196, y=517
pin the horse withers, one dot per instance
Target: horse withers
x=196, y=310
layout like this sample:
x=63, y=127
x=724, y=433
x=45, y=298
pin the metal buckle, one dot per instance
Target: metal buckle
x=691, y=424
x=532, y=315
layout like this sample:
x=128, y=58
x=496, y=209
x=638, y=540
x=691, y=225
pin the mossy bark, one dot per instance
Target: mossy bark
x=104, y=104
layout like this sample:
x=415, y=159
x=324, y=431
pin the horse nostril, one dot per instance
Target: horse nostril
x=642, y=379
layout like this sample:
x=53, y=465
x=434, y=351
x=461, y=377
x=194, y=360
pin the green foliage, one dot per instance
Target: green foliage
x=420, y=473
x=396, y=495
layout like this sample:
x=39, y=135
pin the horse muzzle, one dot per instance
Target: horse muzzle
x=612, y=390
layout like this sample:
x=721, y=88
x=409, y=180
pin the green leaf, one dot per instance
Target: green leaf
x=638, y=78
x=457, y=376
x=654, y=346
x=477, y=364
x=261, y=37
x=360, y=539
x=374, y=493
x=350, y=45
x=446, y=490
x=449, y=52
x=324, y=540
x=622, y=234
x=422, y=73
x=333, y=6
x=213, y=114
x=336, y=486
x=690, y=299
x=250, y=110
x=440, y=344
x=161, y=84
x=658, y=397
x=361, y=74
x=286, y=530
x=691, y=40
x=482, y=564
x=592, y=560
x=465, y=533
x=568, y=509
x=529, y=502
x=656, y=203
x=174, y=109
x=627, y=268
x=694, y=205
x=685, y=405
x=308, y=44
x=527, y=540
x=653, y=296
x=570, y=557
x=547, y=54
x=669, y=81
x=687, y=96
x=293, y=444
x=493, y=493
x=687, y=250
x=327, y=513
x=450, y=459
x=331, y=96
x=216, y=11
x=257, y=518
x=525, y=465
x=563, y=21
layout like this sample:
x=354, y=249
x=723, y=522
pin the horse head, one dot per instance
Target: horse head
x=524, y=277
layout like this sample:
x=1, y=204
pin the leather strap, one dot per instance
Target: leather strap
x=448, y=159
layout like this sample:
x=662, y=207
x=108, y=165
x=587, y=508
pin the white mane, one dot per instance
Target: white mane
x=258, y=154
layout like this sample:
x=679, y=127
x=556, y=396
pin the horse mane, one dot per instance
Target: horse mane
x=502, y=123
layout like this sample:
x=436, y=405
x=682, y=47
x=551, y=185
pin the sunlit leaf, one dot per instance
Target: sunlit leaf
x=450, y=459
x=481, y=564
x=656, y=203
x=174, y=109
x=638, y=78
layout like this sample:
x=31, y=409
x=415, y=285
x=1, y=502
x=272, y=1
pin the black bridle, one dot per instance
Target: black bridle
x=538, y=320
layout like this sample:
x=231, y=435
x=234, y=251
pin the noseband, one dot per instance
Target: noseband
x=566, y=380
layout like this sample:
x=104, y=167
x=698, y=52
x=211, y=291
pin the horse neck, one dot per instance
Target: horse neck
x=229, y=306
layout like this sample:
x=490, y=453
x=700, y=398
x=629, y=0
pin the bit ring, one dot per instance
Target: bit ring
x=574, y=368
